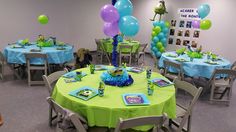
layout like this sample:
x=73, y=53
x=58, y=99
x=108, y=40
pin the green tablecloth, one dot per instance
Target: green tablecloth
x=109, y=46
x=105, y=111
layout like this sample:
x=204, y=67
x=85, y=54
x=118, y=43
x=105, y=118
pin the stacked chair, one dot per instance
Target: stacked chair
x=101, y=50
x=125, y=51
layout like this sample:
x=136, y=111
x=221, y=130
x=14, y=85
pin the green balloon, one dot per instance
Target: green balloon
x=205, y=24
x=162, y=49
x=159, y=45
x=157, y=29
x=154, y=34
x=43, y=19
x=167, y=24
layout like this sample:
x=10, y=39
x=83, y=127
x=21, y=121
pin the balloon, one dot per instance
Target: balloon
x=109, y=13
x=120, y=38
x=157, y=29
x=154, y=49
x=155, y=39
x=205, y=24
x=159, y=45
x=165, y=30
x=155, y=23
x=161, y=35
x=196, y=24
x=129, y=25
x=167, y=24
x=152, y=44
x=162, y=49
x=124, y=7
x=162, y=24
x=153, y=34
x=111, y=29
x=158, y=54
x=43, y=19
x=163, y=40
x=203, y=10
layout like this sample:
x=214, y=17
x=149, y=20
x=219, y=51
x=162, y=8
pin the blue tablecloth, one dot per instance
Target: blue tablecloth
x=197, y=67
x=55, y=56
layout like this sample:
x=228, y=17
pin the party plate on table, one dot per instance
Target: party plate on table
x=181, y=60
x=35, y=50
x=135, y=99
x=172, y=55
x=100, y=67
x=17, y=46
x=161, y=82
x=84, y=93
x=135, y=69
x=60, y=48
x=73, y=74
x=211, y=62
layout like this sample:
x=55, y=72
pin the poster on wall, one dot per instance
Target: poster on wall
x=182, y=32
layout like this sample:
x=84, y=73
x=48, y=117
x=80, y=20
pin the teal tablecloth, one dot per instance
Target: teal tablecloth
x=55, y=56
x=197, y=67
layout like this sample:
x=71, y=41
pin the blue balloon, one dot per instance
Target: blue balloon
x=154, y=49
x=152, y=44
x=162, y=24
x=203, y=10
x=120, y=38
x=163, y=40
x=158, y=54
x=124, y=7
x=165, y=30
x=161, y=35
x=155, y=39
x=129, y=26
x=155, y=23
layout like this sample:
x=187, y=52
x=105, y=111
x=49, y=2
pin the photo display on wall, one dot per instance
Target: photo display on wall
x=182, y=32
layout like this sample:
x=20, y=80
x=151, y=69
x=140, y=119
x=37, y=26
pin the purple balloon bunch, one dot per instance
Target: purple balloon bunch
x=203, y=11
x=118, y=18
x=110, y=16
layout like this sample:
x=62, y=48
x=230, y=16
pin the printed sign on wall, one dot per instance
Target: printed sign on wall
x=188, y=13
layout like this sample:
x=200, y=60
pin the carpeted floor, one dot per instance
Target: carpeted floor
x=24, y=109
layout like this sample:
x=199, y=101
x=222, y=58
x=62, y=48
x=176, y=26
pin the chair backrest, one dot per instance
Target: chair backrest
x=125, y=49
x=177, y=66
x=190, y=89
x=233, y=67
x=29, y=56
x=76, y=119
x=142, y=47
x=157, y=121
x=99, y=44
x=228, y=74
x=51, y=79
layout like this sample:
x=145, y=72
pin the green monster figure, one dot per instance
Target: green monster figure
x=160, y=9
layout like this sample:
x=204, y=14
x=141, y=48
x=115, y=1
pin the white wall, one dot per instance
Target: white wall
x=78, y=22
x=220, y=38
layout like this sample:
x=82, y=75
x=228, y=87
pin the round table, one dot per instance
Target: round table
x=15, y=54
x=105, y=111
x=195, y=68
x=109, y=46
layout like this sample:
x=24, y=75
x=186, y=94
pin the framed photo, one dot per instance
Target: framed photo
x=194, y=44
x=187, y=33
x=180, y=33
x=172, y=32
x=189, y=24
x=186, y=42
x=181, y=23
x=170, y=41
x=173, y=23
x=196, y=34
x=178, y=41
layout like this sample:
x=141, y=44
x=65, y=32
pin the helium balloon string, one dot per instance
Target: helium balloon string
x=114, y=52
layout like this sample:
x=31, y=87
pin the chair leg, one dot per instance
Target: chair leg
x=29, y=77
x=170, y=123
x=212, y=93
x=50, y=116
x=189, y=123
x=130, y=60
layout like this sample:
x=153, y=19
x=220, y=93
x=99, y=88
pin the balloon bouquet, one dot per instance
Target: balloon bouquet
x=117, y=19
x=160, y=31
x=203, y=11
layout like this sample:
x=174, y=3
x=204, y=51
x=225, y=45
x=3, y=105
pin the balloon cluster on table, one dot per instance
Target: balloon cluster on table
x=118, y=18
x=159, y=34
x=204, y=24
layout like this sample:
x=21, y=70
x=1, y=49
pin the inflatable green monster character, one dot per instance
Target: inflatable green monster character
x=160, y=9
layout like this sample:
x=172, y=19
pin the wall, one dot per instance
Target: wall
x=78, y=22
x=219, y=39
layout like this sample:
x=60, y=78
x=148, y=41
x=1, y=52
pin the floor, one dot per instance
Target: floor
x=25, y=109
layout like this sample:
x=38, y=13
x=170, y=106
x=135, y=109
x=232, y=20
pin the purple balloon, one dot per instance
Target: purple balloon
x=111, y=29
x=109, y=13
x=196, y=24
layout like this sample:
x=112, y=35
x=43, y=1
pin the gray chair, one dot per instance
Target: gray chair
x=50, y=81
x=157, y=121
x=233, y=67
x=2, y=63
x=169, y=64
x=125, y=51
x=221, y=85
x=32, y=67
x=68, y=120
x=185, y=112
x=141, y=52
x=101, y=50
